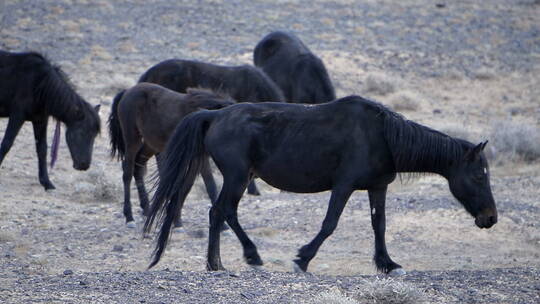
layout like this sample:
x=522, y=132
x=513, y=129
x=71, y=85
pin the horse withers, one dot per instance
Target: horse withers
x=32, y=89
x=294, y=68
x=244, y=83
x=141, y=121
x=345, y=145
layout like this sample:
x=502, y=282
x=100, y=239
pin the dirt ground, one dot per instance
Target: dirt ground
x=458, y=67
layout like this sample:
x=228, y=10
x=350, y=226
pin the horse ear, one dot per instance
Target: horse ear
x=484, y=144
x=97, y=108
x=473, y=153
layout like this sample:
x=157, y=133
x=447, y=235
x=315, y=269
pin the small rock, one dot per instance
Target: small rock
x=118, y=248
x=437, y=111
x=68, y=272
x=82, y=283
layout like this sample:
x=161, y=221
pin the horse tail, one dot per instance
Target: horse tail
x=115, y=132
x=181, y=162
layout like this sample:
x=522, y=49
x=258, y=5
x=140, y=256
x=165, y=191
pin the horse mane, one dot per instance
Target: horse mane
x=417, y=148
x=58, y=95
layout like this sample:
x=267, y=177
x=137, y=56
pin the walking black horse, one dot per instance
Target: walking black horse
x=294, y=68
x=141, y=121
x=32, y=89
x=345, y=145
x=243, y=83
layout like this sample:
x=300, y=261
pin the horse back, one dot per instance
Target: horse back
x=19, y=74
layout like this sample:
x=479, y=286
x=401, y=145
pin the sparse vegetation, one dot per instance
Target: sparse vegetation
x=378, y=85
x=514, y=141
x=404, y=101
x=379, y=290
x=389, y=291
x=333, y=297
x=104, y=187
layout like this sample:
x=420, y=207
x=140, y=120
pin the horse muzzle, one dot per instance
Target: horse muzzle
x=486, y=220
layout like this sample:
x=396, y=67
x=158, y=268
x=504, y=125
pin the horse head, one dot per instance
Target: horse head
x=469, y=183
x=80, y=136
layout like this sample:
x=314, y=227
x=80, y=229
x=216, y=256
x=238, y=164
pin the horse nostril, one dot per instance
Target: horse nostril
x=493, y=219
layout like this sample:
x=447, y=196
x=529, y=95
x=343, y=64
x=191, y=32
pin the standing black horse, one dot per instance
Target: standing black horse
x=141, y=121
x=345, y=145
x=294, y=68
x=32, y=89
x=243, y=83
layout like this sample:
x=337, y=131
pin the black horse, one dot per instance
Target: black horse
x=32, y=89
x=345, y=145
x=141, y=121
x=243, y=83
x=294, y=68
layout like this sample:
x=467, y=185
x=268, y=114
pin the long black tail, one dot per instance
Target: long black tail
x=182, y=161
x=115, y=132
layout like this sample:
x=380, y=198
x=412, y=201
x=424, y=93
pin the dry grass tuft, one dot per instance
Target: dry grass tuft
x=378, y=85
x=514, y=141
x=104, y=188
x=390, y=291
x=333, y=297
x=404, y=101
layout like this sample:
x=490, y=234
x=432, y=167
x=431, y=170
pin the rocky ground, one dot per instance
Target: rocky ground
x=466, y=68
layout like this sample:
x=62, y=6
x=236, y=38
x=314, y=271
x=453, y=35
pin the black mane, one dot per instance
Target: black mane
x=56, y=92
x=417, y=148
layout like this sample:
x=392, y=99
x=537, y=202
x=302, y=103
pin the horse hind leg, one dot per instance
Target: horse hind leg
x=40, y=135
x=252, y=188
x=226, y=208
x=338, y=200
x=208, y=178
x=139, y=171
x=128, y=165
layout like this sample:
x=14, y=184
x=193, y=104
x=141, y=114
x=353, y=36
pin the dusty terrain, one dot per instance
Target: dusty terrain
x=464, y=68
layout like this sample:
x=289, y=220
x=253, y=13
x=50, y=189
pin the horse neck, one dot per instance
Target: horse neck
x=419, y=149
x=60, y=99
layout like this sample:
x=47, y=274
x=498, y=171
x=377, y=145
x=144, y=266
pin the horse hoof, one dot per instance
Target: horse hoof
x=131, y=224
x=397, y=272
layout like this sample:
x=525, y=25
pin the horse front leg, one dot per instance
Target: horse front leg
x=383, y=262
x=40, y=135
x=15, y=123
x=338, y=199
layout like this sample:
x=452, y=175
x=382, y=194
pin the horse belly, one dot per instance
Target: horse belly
x=298, y=175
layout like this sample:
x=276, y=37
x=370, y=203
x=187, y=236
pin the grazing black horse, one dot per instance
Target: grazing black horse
x=141, y=121
x=243, y=83
x=32, y=89
x=294, y=68
x=345, y=145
